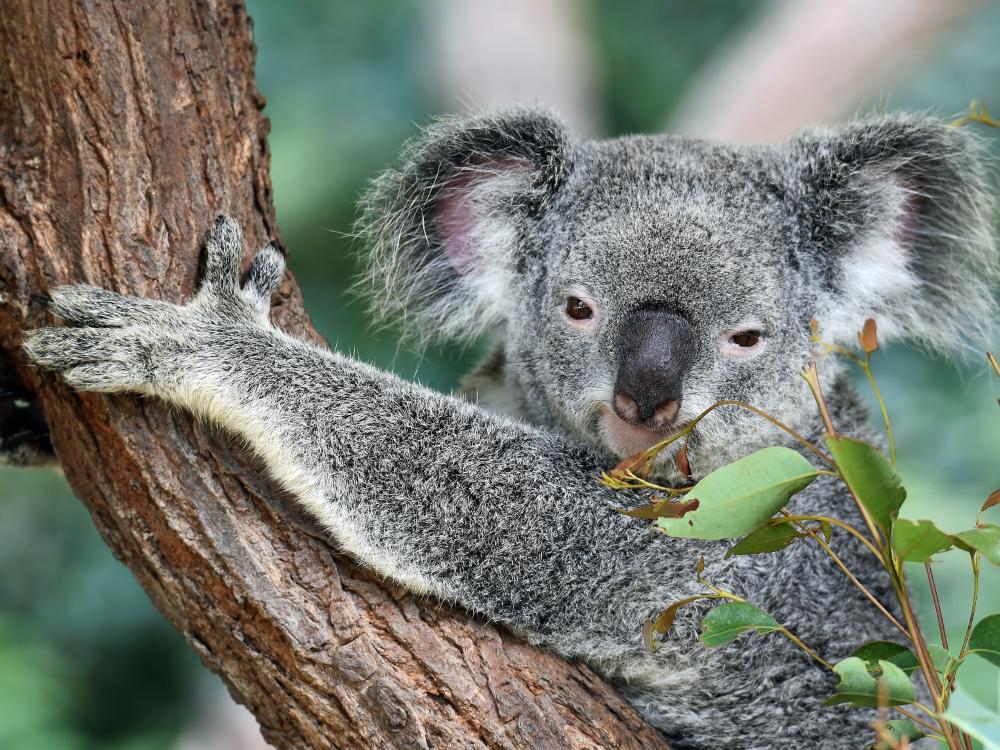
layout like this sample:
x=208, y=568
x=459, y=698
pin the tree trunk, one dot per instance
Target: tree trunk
x=124, y=128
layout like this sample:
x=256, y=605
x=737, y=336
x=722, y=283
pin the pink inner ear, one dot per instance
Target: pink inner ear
x=455, y=217
x=455, y=221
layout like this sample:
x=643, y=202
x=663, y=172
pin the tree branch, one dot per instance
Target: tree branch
x=125, y=129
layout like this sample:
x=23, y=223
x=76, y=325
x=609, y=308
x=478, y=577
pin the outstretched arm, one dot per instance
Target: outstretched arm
x=424, y=488
x=502, y=518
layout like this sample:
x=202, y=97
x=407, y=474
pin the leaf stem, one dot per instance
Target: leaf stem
x=975, y=599
x=798, y=642
x=923, y=655
x=867, y=369
x=937, y=605
x=652, y=452
x=723, y=594
x=811, y=375
x=917, y=720
x=840, y=524
x=847, y=572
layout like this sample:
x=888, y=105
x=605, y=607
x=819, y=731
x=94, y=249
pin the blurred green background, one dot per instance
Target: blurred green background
x=86, y=662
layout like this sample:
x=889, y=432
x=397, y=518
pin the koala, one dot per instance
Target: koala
x=628, y=284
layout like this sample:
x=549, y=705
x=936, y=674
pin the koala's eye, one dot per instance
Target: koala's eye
x=577, y=309
x=746, y=339
x=742, y=342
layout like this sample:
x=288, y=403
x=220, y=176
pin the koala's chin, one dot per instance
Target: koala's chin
x=624, y=439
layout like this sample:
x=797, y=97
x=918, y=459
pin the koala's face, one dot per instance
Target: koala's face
x=637, y=282
x=664, y=288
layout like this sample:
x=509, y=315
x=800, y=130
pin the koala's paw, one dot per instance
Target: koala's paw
x=124, y=343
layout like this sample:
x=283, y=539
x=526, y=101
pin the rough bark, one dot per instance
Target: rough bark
x=124, y=128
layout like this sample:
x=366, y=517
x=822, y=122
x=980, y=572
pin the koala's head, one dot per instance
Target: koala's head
x=637, y=281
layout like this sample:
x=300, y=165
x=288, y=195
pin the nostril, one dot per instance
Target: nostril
x=664, y=414
x=626, y=407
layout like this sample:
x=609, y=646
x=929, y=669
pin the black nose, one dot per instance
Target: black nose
x=657, y=349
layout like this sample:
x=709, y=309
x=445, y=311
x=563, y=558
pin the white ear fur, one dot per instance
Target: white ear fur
x=914, y=194
x=479, y=236
x=877, y=279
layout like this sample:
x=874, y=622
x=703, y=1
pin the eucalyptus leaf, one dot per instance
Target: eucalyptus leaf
x=874, y=652
x=737, y=498
x=870, y=476
x=916, y=541
x=974, y=719
x=770, y=537
x=900, y=729
x=993, y=499
x=985, y=639
x=940, y=656
x=859, y=687
x=665, y=621
x=984, y=539
x=728, y=621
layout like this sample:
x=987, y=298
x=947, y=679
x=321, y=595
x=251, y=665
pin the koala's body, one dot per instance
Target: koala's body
x=631, y=283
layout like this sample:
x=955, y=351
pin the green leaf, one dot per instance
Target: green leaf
x=874, y=652
x=984, y=539
x=939, y=656
x=870, y=476
x=739, y=497
x=859, y=687
x=770, y=537
x=728, y=621
x=978, y=722
x=985, y=639
x=916, y=541
x=900, y=729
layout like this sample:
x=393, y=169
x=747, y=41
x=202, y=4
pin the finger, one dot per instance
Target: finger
x=266, y=272
x=85, y=305
x=62, y=348
x=106, y=377
x=224, y=248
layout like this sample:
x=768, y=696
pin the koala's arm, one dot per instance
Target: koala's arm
x=505, y=519
x=427, y=489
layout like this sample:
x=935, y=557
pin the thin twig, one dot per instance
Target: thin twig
x=811, y=375
x=847, y=572
x=974, y=556
x=840, y=524
x=937, y=605
x=866, y=368
x=798, y=642
x=917, y=720
x=743, y=405
x=923, y=655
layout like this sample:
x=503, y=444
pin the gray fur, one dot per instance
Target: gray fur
x=486, y=225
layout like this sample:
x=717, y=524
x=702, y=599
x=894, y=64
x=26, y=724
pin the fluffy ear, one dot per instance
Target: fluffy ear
x=444, y=231
x=899, y=223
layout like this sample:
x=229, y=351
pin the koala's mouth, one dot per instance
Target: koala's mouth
x=625, y=439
